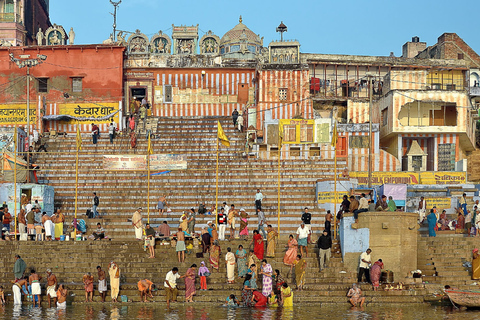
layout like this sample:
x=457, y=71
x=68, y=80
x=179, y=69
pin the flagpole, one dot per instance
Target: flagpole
x=335, y=193
x=15, y=180
x=216, y=184
x=278, y=184
x=76, y=174
x=334, y=145
x=148, y=181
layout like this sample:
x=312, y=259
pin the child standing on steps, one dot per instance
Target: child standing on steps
x=203, y=272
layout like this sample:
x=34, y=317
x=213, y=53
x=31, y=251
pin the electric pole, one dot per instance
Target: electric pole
x=24, y=60
x=370, y=144
x=114, y=14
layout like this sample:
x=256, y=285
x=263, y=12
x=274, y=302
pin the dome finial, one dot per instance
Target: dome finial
x=240, y=20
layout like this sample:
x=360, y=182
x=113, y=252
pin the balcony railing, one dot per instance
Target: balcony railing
x=10, y=17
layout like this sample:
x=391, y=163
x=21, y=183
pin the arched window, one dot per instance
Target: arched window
x=9, y=6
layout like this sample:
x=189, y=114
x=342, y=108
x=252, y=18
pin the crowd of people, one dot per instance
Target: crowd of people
x=29, y=285
x=467, y=219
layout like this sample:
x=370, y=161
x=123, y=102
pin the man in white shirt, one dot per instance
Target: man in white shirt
x=261, y=222
x=171, y=285
x=365, y=263
x=302, y=238
x=422, y=208
x=362, y=207
x=222, y=224
x=258, y=200
x=111, y=132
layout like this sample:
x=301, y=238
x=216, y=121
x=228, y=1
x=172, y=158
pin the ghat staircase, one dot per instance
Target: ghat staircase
x=121, y=192
x=70, y=260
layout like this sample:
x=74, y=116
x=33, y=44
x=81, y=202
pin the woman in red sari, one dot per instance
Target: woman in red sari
x=375, y=273
x=258, y=247
x=291, y=254
x=460, y=219
x=190, y=290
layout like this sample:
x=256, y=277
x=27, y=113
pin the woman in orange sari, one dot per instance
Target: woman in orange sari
x=215, y=255
x=190, y=290
x=291, y=254
x=271, y=241
x=258, y=247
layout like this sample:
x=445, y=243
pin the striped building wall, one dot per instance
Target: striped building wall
x=423, y=139
x=214, y=93
x=297, y=100
x=357, y=158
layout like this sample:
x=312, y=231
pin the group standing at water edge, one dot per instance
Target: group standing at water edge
x=467, y=220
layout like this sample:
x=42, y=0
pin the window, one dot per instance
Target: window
x=444, y=116
x=290, y=133
x=295, y=152
x=77, y=84
x=417, y=162
x=306, y=133
x=9, y=6
x=282, y=94
x=460, y=56
x=385, y=117
x=42, y=85
x=358, y=142
x=167, y=94
x=446, y=157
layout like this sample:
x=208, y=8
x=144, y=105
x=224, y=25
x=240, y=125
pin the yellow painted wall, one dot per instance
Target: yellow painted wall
x=17, y=114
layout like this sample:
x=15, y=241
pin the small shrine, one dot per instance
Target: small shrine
x=416, y=158
x=185, y=39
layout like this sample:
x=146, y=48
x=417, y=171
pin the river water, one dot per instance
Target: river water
x=210, y=311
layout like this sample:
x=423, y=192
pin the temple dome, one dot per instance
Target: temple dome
x=241, y=40
x=236, y=33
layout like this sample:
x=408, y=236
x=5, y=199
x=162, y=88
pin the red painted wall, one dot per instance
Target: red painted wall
x=100, y=66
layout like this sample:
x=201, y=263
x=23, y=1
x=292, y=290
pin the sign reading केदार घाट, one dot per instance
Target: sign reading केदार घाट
x=329, y=197
x=17, y=114
x=440, y=203
x=379, y=178
x=443, y=177
x=90, y=110
x=168, y=162
x=124, y=162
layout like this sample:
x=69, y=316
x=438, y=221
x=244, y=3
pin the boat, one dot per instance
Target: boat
x=465, y=298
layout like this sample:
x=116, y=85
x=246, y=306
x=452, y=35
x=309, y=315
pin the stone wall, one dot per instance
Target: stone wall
x=392, y=236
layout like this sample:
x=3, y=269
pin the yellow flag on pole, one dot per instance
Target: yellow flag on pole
x=79, y=139
x=334, y=135
x=221, y=136
x=150, y=149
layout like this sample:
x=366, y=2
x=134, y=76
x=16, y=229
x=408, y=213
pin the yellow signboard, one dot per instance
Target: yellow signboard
x=17, y=114
x=379, y=178
x=443, y=177
x=124, y=162
x=90, y=110
x=329, y=197
x=440, y=203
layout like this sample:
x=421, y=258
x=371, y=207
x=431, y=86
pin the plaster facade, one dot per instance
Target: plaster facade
x=391, y=236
